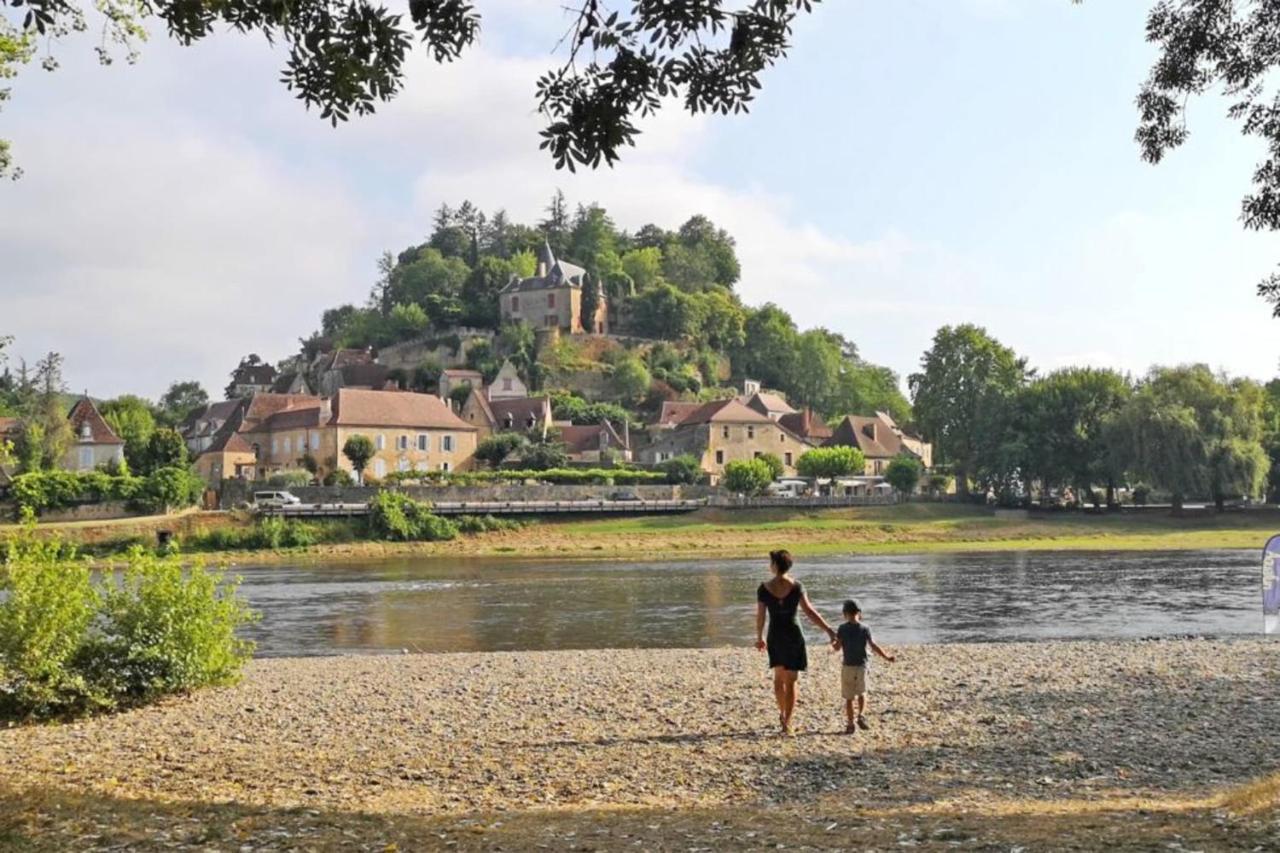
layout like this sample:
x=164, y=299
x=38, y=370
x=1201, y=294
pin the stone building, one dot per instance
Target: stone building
x=597, y=443
x=518, y=414
x=93, y=442
x=880, y=440
x=721, y=432
x=552, y=298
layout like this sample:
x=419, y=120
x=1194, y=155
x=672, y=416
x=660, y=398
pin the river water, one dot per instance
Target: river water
x=512, y=604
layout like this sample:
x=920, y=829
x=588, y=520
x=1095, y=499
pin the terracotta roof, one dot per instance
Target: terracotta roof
x=358, y=407
x=209, y=414
x=582, y=439
x=85, y=413
x=263, y=405
x=872, y=436
x=806, y=424
x=675, y=411
x=10, y=425
x=766, y=403
x=313, y=416
x=724, y=411
x=520, y=410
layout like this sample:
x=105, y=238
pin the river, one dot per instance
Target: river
x=421, y=605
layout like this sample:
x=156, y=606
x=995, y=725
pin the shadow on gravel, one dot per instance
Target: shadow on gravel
x=47, y=820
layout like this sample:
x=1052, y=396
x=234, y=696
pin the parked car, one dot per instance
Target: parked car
x=787, y=488
x=275, y=500
x=625, y=496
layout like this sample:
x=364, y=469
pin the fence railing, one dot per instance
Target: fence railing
x=735, y=502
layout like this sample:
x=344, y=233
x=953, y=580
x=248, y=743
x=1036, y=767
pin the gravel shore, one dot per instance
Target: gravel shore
x=964, y=726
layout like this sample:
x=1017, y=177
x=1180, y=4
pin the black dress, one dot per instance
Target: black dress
x=784, y=640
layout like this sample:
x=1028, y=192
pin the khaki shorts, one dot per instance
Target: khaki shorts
x=853, y=681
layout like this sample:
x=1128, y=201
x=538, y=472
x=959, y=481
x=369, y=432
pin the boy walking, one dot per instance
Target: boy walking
x=854, y=639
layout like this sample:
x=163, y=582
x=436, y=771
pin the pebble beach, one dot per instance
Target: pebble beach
x=454, y=736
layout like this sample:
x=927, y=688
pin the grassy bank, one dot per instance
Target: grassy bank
x=870, y=530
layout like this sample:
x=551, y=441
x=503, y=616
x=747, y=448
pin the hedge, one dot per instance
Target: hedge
x=558, y=476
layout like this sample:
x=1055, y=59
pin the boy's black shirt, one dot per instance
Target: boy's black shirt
x=854, y=640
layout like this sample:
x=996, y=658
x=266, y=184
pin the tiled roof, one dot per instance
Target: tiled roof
x=85, y=413
x=559, y=274
x=460, y=373
x=872, y=436
x=358, y=407
x=294, y=419
x=766, y=403
x=582, y=439
x=675, y=411
x=520, y=410
x=806, y=425
x=263, y=405
x=346, y=357
x=724, y=411
x=209, y=414
x=10, y=425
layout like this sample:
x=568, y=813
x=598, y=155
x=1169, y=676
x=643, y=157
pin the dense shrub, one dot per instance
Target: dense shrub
x=290, y=479
x=561, y=476
x=49, y=604
x=339, y=477
x=270, y=532
x=682, y=470
x=168, y=630
x=400, y=518
x=486, y=524
x=747, y=476
x=831, y=462
x=904, y=473
x=774, y=461
x=41, y=491
x=70, y=644
x=167, y=489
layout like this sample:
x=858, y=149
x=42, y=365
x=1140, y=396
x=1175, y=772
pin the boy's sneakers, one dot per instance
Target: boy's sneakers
x=862, y=723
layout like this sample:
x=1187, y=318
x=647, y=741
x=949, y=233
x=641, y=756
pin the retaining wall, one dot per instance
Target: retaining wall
x=235, y=492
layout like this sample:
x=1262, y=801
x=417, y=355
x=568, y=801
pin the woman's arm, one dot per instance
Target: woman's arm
x=815, y=616
x=760, y=626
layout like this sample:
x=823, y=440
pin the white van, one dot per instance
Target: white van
x=788, y=488
x=275, y=500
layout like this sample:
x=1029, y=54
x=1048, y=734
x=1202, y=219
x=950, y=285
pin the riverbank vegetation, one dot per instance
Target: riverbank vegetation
x=74, y=642
x=904, y=528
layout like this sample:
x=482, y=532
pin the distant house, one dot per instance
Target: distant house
x=807, y=425
x=517, y=414
x=251, y=378
x=507, y=384
x=454, y=378
x=94, y=443
x=200, y=427
x=880, y=440
x=275, y=432
x=724, y=431
x=768, y=403
x=596, y=443
x=292, y=382
x=671, y=414
x=552, y=298
x=350, y=368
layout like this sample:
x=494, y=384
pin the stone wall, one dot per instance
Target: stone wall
x=234, y=493
x=91, y=512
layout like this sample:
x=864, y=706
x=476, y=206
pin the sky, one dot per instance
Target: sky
x=909, y=165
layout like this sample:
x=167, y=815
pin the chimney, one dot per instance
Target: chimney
x=326, y=410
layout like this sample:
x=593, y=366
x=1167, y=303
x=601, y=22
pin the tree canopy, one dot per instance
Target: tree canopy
x=618, y=63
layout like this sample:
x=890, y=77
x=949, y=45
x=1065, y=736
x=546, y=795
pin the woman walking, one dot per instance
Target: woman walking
x=782, y=597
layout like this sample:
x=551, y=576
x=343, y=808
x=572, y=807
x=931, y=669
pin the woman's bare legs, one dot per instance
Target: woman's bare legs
x=780, y=694
x=784, y=690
